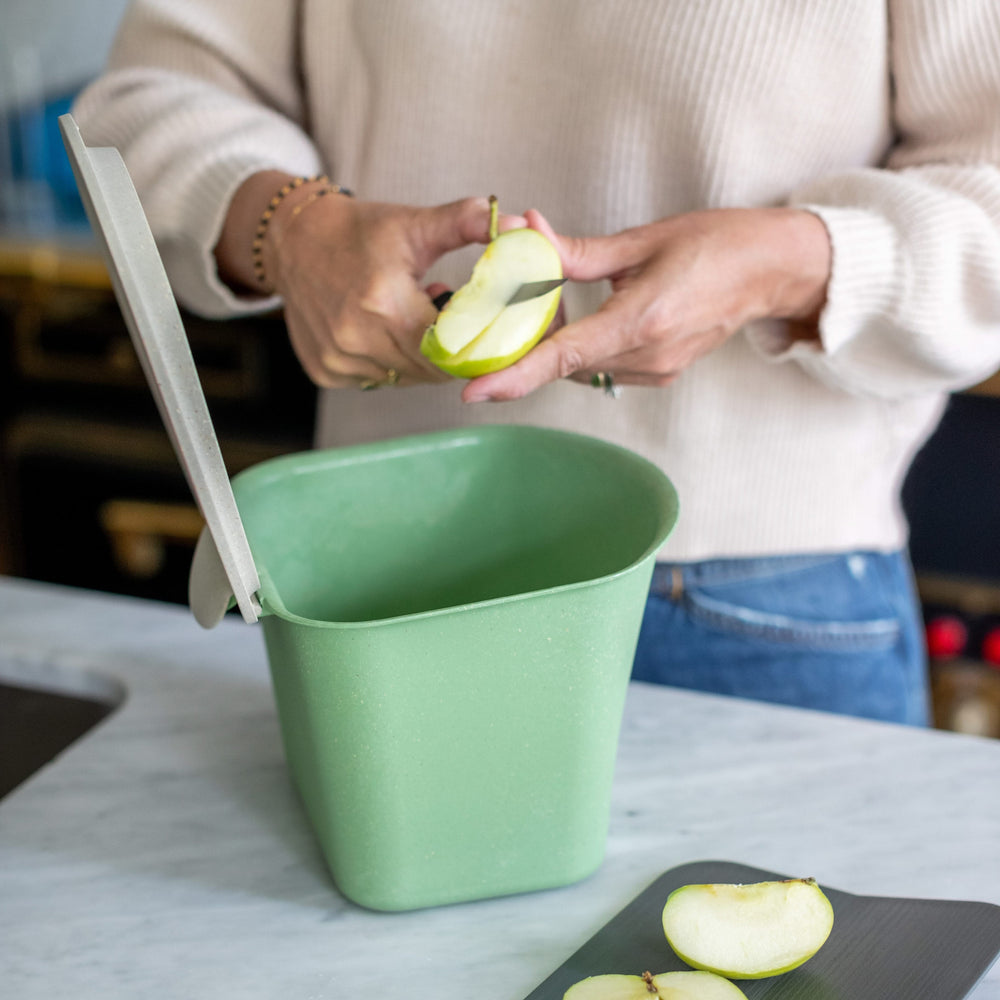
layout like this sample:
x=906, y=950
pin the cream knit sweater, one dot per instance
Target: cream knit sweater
x=884, y=119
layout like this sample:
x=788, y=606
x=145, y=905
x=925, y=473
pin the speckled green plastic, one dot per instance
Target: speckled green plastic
x=450, y=621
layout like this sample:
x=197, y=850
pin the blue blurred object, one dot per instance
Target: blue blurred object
x=40, y=172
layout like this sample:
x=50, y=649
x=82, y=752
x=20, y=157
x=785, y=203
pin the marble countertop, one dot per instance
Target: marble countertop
x=165, y=854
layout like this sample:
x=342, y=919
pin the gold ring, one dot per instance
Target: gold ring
x=391, y=378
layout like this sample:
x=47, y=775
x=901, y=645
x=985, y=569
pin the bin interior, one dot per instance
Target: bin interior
x=430, y=522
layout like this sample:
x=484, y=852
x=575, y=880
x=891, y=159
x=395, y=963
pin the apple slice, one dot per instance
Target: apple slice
x=748, y=931
x=666, y=986
x=477, y=332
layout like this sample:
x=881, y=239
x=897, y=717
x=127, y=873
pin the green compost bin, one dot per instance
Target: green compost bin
x=450, y=621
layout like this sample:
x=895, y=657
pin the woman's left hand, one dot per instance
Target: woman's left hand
x=680, y=287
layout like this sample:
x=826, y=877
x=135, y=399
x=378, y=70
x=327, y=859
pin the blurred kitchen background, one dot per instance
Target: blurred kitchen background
x=91, y=494
x=90, y=491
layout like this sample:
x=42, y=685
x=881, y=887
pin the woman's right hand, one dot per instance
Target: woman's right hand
x=350, y=274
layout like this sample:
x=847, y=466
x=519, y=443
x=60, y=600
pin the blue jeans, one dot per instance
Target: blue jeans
x=840, y=633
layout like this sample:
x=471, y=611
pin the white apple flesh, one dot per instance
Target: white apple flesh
x=477, y=332
x=748, y=931
x=666, y=986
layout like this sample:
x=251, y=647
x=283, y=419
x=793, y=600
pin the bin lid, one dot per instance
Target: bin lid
x=157, y=331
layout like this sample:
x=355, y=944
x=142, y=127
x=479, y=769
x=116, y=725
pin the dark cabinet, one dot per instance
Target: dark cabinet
x=91, y=493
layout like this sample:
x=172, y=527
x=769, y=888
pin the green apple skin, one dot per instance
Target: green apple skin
x=476, y=332
x=462, y=366
x=748, y=931
x=666, y=986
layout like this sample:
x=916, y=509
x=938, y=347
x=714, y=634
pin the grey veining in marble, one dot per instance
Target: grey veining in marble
x=165, y=855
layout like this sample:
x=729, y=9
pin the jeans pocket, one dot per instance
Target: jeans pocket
x=834, y=604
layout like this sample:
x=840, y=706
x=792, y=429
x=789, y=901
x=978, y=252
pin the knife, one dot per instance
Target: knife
x=534, y=289
x=529, y=290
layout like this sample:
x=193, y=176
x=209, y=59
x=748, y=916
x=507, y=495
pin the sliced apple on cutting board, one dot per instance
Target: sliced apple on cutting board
x=666, y=986
x=748, y=931
x=477, y=332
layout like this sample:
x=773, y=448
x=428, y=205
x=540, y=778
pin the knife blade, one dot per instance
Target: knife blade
x=534, y=289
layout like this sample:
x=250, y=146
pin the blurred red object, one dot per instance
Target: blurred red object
x=990, y=651
x=947, y=637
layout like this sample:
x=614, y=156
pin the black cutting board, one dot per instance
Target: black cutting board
x=879, y=948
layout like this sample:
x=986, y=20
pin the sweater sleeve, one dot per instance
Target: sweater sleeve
x=914, y=297
x=197, y=96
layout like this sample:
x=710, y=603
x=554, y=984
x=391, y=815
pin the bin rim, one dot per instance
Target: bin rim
x=320, y=460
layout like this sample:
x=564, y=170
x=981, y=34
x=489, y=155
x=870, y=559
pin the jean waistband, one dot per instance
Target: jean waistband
x=671, y=579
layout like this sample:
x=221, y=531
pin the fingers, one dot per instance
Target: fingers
x=574, y=348
x=507, y=222
x=592, y=258
x=443, y=228
x=435, y=290
x=358, y=349
x=624, y=337
x=326, y=363
x=419, y=313
x=353, y=301
x=394, y=310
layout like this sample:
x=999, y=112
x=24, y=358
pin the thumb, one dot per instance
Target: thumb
x=442, y=228
x=590, y=258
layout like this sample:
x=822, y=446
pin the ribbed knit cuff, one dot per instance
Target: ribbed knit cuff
x=863, y=286
x=190, y=258
x=865, y=272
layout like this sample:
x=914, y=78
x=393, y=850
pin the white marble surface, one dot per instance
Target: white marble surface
x=165, y=855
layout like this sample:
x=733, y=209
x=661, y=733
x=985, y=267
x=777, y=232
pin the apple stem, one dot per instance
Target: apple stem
x=647, y=978
x=494, y=217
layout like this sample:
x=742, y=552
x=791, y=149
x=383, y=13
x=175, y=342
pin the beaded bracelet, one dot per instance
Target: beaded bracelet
x=257, y=245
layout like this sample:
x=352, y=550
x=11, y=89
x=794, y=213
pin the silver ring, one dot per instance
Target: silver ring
x=606, y=381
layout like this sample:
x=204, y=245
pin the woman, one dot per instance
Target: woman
x=796, y=204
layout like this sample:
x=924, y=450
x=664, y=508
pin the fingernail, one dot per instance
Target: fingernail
x=509, y=222
x=476, y=397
